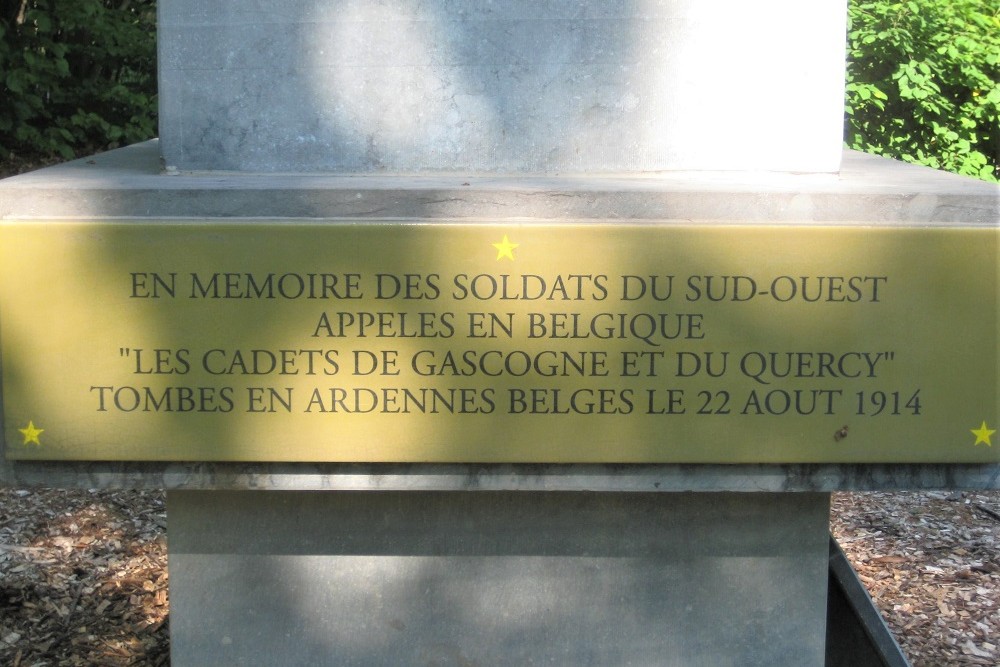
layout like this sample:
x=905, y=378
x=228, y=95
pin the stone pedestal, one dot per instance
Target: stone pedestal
x=441, y=564
x=498, y=578
x=647, y=111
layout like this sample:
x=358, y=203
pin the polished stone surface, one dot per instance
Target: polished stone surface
x=468, y=86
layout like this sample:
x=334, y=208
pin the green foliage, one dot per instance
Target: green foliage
x=923, y=83
x=76, y=76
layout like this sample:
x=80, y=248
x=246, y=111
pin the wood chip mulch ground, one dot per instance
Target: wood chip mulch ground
x=931, y=562
x=83, y=576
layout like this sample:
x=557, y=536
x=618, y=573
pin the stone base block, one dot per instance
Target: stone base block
x=497, y=578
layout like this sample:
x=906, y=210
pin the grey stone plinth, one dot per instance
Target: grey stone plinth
x=569, y=579
x=868, y=190
x=469, y=477
x=466, y=86
x=130, y=184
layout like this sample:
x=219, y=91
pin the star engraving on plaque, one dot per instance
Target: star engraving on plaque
x=31, y=434
x=505, y=248
x=983, y=435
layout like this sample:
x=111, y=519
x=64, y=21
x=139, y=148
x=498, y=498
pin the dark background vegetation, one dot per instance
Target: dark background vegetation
x=78, y=76
x=923, y=80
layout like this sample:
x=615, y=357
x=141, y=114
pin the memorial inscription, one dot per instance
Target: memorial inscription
x=278, y=341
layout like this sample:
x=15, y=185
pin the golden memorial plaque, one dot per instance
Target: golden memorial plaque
x=393, y=342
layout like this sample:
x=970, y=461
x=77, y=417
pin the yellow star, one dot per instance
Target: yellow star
x=983, y=434
x=31, y=434
x=505, y=249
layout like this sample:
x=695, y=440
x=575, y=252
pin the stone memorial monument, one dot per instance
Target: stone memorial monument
x=468, y=332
